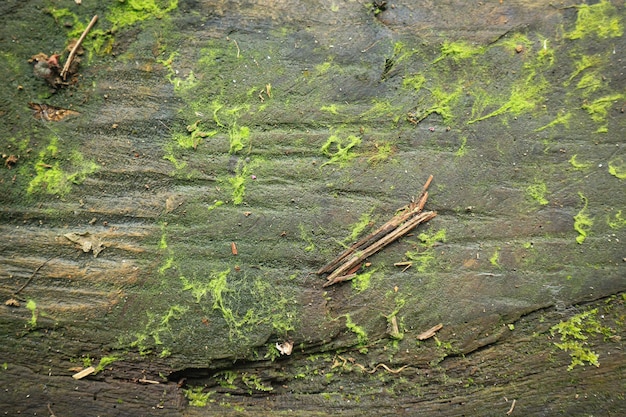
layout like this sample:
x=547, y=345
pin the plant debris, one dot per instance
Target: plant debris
x=50, y=113
x=430, y=332
x=345, y=266
x=49, y=67
x=87, y=242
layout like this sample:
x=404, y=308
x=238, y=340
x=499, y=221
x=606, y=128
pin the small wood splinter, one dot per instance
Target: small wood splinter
x=344, y=266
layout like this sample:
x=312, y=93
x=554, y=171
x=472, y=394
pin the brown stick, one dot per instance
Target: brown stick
x=70, y=58
x=400, y=231
x=32, y=276
x=409, y=211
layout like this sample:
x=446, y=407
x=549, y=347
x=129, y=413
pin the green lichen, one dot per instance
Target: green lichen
x=306, y=238
x=581, y=166
x=128, y=12
x=332, y=109
x=617, y=169
x=339, y=149
x=601, y=19
x=537, y=192
x=574, y=334
x=590, y=83
x=582, y=222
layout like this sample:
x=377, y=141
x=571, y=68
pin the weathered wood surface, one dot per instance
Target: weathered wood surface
x=516, y=108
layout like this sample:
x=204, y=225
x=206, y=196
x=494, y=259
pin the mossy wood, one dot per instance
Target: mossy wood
x=165, y=210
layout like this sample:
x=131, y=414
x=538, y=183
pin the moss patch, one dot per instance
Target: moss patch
x=582, y=222
x=601, y=19
x=574, y=334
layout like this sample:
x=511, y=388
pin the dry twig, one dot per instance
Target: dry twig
x=70, y=58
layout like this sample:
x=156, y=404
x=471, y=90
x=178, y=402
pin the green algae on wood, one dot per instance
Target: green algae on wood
x=537, y=192
x=582, y=222
x=601, y=19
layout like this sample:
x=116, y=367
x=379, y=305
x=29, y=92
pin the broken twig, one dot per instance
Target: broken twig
x=32, y=276
x=70, y=58
x=344, y=266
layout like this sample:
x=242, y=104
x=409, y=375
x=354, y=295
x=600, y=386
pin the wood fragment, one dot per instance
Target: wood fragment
x=404, y=213
x=70, y=58
x=400, y=231
x=336, y=280
x=508, y=413
x=233, y=248
x=147, y=381
x=84, y=373
x=430, y=332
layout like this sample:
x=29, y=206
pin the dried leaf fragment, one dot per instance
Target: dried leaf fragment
x=50, y=113
x=87, y=242
x=285, y=348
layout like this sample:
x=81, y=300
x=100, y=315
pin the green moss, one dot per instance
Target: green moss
x=599, y=108
x=462, y=151
x=601, y=19
x=617, y=169
x=582, y=222
x=31, y=306
x=563, y=119
x=332, y=109
x=493, y=260
x=194, y=137
x=423, y=256
x=458, y=51
x=105, y=361
x=574, y=334
x=339, y=150
x=537, y=192
x=578, y=165
x=239, y=138
x=524, y=97
x=52, y=178
x=362, y=281
x=617, y=222
x=254, y=382
x=584, y=62
x=305, y=237
x=590, y=83
x=415, y=82
x=384, y=150
x=360, y=333
x=358, y=227
x=196, y=396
